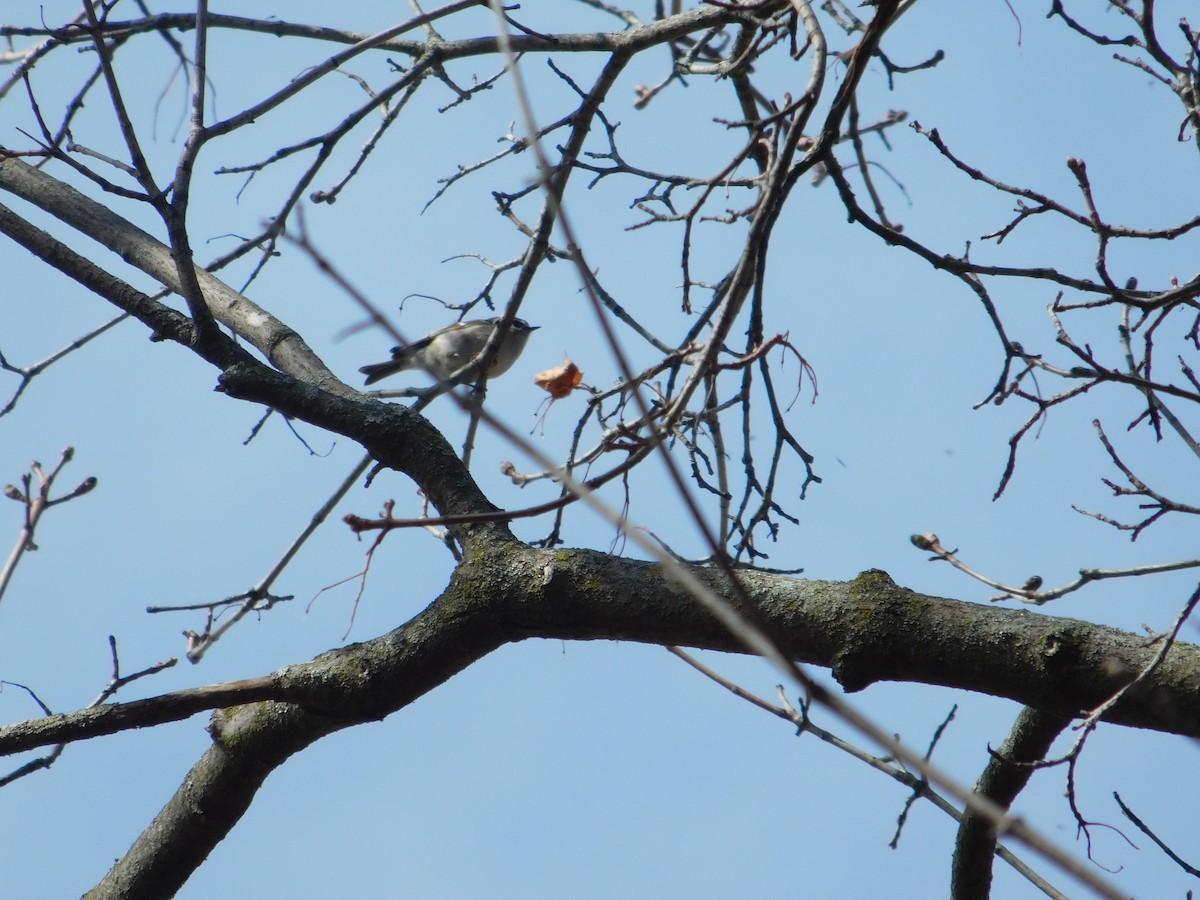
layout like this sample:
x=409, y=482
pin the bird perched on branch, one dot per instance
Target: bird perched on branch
x=445, y=351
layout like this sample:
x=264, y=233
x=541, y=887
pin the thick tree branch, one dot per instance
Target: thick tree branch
x=111, y=718
x=862, y=629
x=162, y=321
x=1005, y=776
x=248, y=744
x=395, y=435
x=278, y=343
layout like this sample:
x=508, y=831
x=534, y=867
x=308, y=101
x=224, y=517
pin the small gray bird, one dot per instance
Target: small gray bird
x=447, y=350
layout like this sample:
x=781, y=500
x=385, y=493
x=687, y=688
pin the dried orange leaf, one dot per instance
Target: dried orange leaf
x=561, y=380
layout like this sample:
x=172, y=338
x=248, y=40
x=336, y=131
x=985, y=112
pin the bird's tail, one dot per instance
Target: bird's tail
x=381, y=370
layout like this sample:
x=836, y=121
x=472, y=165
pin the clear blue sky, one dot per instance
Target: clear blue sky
x=587, y=770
